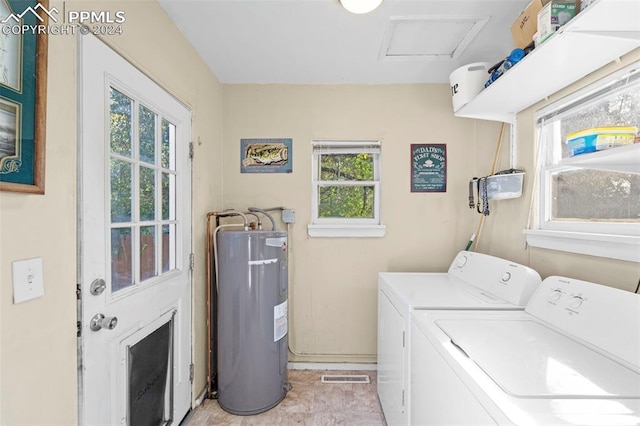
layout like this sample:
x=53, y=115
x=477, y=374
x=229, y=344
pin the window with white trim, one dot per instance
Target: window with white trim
x=589, y=202
x=345, y=189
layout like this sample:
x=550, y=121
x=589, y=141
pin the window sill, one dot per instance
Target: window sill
x=351, y=231
x=621, y=247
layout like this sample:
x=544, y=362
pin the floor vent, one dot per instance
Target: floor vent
x=345, y=378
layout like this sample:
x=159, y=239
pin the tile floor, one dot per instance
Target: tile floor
x=310, y=402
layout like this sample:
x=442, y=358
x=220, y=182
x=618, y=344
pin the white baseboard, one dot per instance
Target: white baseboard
x=200, y=398
x=331, y=366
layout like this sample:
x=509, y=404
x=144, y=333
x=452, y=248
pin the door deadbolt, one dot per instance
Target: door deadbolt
x=97, y=286
x=99, y=321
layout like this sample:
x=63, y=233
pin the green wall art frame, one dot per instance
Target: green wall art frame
x=23, y=92
x=429, y=167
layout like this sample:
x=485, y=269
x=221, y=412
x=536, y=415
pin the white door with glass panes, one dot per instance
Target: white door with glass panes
x=134, y=240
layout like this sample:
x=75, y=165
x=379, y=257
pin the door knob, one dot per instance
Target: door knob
x=99, y=321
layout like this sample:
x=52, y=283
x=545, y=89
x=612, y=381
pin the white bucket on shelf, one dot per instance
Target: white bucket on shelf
x=466, y=82
x=504, y=186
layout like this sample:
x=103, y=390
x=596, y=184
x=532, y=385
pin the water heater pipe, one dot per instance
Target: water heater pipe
x=232, y=212
x=257, y=218
x=264, y=212
x=209, y=348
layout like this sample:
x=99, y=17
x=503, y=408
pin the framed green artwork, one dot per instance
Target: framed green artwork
x=429, y=167
x=23, y=92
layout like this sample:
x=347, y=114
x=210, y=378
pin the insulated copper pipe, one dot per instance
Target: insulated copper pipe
x=209, y=349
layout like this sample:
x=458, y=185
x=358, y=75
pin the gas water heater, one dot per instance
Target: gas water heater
x=252, y=320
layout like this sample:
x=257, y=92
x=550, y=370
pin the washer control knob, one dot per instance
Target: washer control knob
x=462, y=261
x=555, y=295
x=506, y=277
x=576, y=302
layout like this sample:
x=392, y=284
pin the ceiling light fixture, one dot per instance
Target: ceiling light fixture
x=360, y=6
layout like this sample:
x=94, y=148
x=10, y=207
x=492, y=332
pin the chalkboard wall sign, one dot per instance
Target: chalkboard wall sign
x=429, y=167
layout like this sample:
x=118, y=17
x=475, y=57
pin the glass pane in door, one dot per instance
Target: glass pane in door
x=147, y=132
x=121, y=264
x=147, y=252
x=168, y=248
x=168, y=145
x=147, y=194
x=168, y=196
x=120, y=175
x=120, y=133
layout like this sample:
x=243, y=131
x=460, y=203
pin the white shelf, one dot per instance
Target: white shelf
x=603, y=32
x=620, y=159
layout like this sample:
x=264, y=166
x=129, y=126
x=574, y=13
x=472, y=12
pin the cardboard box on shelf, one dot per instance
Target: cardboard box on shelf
x=526, y=25
x=554, y=15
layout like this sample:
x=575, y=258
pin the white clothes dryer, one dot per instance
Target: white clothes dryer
x=571, y=358
x=474, y=281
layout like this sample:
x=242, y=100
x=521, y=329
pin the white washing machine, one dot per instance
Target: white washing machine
x=473, y=281
x=571, y=358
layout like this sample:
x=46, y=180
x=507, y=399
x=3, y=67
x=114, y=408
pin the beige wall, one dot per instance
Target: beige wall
x=333, y=286
x=37, y=338
x=333, y=283
x=502, y=234
x=333, y=300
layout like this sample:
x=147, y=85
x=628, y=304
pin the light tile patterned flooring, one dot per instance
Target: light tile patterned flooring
x=310, y=402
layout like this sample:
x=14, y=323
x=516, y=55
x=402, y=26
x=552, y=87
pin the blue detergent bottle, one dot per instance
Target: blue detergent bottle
x=514, y=57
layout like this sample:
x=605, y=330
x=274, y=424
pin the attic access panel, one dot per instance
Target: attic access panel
x=429, y=38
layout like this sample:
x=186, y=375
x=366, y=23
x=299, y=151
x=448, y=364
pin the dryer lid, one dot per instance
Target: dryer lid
x=528, y=359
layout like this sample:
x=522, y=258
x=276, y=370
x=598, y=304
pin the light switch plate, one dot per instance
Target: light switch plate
x=27, y=279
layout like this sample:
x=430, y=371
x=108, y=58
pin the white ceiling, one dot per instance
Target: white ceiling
x=319, y=42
